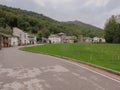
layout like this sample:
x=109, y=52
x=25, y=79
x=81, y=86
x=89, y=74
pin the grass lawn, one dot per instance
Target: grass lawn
x=105, y=55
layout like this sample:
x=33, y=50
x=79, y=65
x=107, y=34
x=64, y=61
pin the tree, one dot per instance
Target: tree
x=2, y=22
x=112, y=31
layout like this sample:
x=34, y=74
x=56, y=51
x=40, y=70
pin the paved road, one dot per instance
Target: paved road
x=28, y=71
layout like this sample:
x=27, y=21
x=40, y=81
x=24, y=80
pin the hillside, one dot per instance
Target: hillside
x=84, y=29
x=41, y=25
x=82, y=24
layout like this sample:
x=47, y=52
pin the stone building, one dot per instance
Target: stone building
x=4, y=40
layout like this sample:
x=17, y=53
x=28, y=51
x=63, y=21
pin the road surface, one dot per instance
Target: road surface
x=21, y=70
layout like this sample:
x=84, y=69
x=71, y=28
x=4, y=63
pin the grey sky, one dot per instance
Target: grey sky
x=94, y=12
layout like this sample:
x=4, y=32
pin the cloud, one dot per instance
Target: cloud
x=115, y=11
x=97, y=3
x=40, y=2
x=51, y=2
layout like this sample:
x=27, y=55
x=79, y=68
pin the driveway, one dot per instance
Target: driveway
x=21, y=70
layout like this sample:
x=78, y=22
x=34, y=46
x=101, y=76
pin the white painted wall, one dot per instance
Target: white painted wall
x=14, y=41
x=32, y=40
x=22, y=35
x=55, y=39
x=96, y=39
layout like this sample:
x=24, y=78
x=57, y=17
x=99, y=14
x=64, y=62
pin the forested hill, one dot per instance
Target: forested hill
x=41, y=25
x=82, y=24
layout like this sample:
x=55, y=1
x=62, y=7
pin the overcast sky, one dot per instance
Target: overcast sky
x=93, y=12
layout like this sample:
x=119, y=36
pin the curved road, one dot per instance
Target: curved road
x=21, y=70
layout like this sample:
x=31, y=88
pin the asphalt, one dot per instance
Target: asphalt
x=21, y=70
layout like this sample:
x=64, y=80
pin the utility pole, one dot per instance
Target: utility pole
x=0, y=41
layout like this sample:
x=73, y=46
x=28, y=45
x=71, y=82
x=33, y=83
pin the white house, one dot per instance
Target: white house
x=54, y=38
x=21, y=38
x=61, y=38
x=32, y=39
x=14, y=41
x=99, y=40
x=102, y=40
x=96, y=39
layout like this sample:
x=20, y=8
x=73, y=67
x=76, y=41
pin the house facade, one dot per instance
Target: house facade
x=61, y=38
x=68, y=39
x=98, y=40
x=82, y=39
x=54, y=38
x=22, y=38
x=87, y=39
x=18, y=38
x=32, y=39
x=4, y=40
x=14, y=41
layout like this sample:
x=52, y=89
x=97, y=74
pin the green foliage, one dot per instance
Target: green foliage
x=41, y=25
x=105, y=55
x=6, y=30
x=112, y=31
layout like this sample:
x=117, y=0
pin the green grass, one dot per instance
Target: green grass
x=105, y=55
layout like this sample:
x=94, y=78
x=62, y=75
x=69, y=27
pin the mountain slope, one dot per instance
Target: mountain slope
x=82, y=24
x=41, y=25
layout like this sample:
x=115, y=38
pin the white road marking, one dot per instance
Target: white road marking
x=97, y=85
x=92, y=70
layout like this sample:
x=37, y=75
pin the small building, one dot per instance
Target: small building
x=87, y=39
x=22, y=36
x=54, y=38
x=5, y=40
x=98, y=40
x=68, y=39
x=19, y=37
x=61, y=38
x=102, y=40
x=32, y=39
x=14, y=41
x=82, y=39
